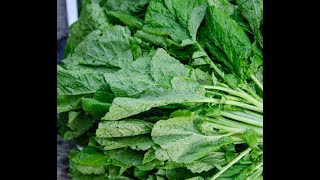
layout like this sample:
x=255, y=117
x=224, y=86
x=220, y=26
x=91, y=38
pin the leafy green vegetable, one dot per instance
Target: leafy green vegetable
x=164, y=89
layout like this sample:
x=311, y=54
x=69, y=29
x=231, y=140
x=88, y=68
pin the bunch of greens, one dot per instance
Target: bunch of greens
x=164, y=89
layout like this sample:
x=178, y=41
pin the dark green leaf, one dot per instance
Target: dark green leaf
x=67, y=103
x=226, y=34
x=95, y=107
x=252, y=11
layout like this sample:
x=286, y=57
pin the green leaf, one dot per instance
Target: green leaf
x=160, y=21
x=226, y=34
x=134, y=7
x=140, y=174
x=90, y=161
x=251, y=137
x=109, y=47
x=214, y=111
x=131, y=81
x=189, y=13
x=202, y=77
x=223, y=5
x=129, y=127
x=139, y=142
x=183, y=89
x=159, y=40
x=78, y=124
x=125, y=157
x=178, y=20
x=233, y=171
x=232, y=80
x=77, y=82
x=92, y=17
x=95, y=107
x=132, y=22
x=70, y=102
x=252, y=11
x=162, y=64
x=149, y=156
x=183, y=142
x=103, y=96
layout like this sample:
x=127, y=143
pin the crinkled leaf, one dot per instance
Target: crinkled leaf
x=109, y=47
x=183, y=142
x=125, y=157
x=139, y=142
x=176, y=19
x=76, y=82
x=162, y=64
x=129, y=127
x=131, y=81
x=226, y=34
x=160, y=21
x=183, y=90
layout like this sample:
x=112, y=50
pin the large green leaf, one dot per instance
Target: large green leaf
x=179, y=20
x=182, y=90
x=109, y=47
x=183, y=142
x=226, y=34
x=76, y=82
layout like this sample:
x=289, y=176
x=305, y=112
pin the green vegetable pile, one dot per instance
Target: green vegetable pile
x=164, y=89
